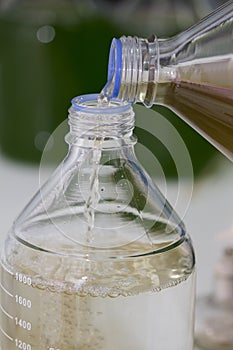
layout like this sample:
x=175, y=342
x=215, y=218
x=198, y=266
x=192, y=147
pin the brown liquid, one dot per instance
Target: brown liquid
x=207, y=108
x=202, y=94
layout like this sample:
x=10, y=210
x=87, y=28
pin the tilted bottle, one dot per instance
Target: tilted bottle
x=98, y=259
x=190, y=73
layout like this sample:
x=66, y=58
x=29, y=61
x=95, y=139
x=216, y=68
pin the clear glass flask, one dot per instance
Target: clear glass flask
x=98, y=259
x=191, y=73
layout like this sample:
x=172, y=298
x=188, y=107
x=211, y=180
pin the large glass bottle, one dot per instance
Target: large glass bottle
x=98, y=259
x=191, y=73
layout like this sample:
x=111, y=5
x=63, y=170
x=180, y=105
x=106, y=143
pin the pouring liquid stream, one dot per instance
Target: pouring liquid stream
x=93, y=195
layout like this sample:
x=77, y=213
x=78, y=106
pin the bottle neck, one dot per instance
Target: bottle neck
x=135, y=70
x=91, y=120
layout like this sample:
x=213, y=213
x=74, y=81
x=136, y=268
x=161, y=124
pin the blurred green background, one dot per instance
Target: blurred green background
x=52, y=51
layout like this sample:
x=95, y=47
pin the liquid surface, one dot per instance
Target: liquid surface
x=112, y=305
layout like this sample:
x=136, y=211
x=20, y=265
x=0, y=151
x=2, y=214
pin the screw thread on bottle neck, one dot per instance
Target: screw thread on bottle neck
x=133, y=70
x=90, y=121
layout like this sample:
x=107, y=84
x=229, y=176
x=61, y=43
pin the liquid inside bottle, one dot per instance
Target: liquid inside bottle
x=202, y=94
x=107, y=309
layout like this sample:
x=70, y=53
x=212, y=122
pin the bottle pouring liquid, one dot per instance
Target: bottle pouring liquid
x=190, y=73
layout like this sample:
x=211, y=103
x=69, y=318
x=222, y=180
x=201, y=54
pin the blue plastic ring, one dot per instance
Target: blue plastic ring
x=81, y=104
x=115, y=65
